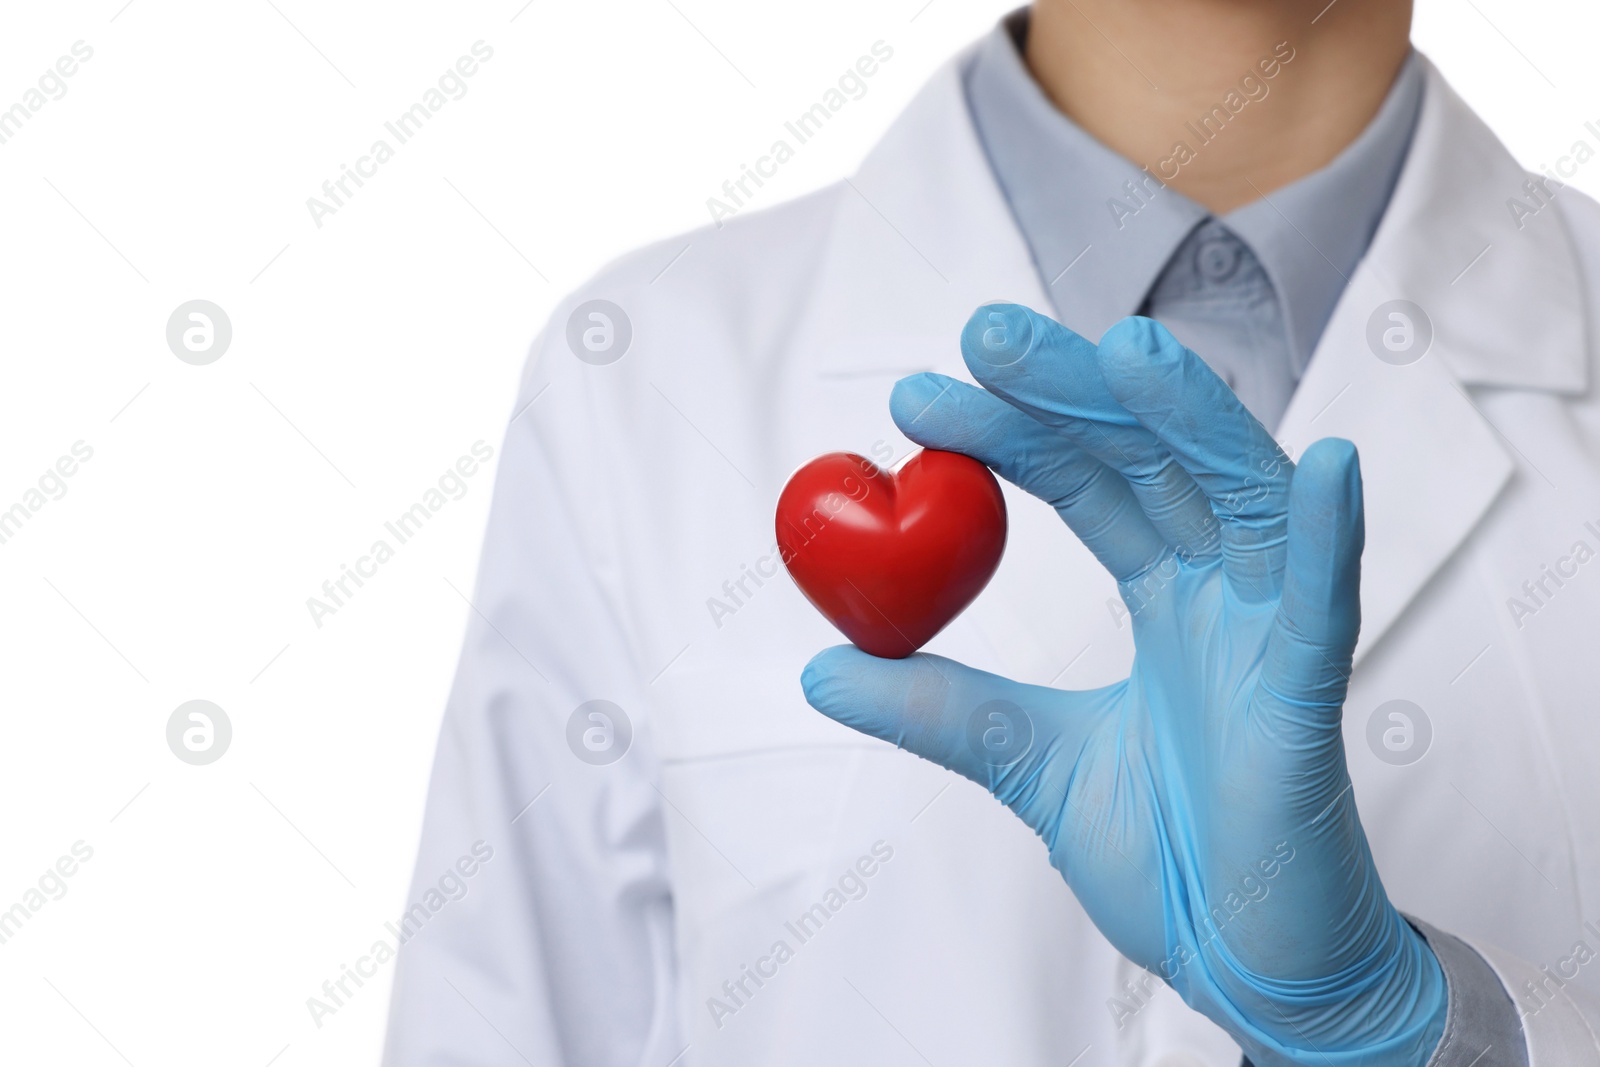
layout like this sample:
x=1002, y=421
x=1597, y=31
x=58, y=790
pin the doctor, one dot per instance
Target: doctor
x=691, y=866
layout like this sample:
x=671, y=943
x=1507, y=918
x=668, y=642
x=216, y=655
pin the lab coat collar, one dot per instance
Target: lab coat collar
x=1450, y=243
x=922, y=235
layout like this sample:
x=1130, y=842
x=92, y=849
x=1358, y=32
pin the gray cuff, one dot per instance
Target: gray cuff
x=1481, y=1025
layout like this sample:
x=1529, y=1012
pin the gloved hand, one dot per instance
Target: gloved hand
x=1201, y=810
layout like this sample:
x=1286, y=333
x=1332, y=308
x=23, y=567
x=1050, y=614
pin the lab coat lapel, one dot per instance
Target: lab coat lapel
x=921, y=237
x=1504, y=309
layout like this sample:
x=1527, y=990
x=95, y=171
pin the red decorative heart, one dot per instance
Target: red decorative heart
x=890, y=557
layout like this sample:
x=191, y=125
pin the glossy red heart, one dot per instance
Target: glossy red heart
x=890, y=557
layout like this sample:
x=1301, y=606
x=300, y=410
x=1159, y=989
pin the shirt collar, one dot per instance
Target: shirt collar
x=1310, y=234
x=1102, y=228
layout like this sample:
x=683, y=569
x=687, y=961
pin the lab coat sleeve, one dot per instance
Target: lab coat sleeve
x=1554, y=1025
x=1481, y=1028
x=1560, y=1022
x=560, y=949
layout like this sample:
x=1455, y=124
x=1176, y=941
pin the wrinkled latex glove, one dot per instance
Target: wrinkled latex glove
x=1201, y=809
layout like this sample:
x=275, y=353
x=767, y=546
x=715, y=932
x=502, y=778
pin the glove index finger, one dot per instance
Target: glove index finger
x=940, y=412
x=1051, y=373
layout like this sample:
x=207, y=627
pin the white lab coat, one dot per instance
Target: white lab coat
x=622, y=899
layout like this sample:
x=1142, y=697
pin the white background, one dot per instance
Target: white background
x=367, y=355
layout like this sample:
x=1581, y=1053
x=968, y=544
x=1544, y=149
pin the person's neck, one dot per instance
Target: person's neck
x=1142, y=75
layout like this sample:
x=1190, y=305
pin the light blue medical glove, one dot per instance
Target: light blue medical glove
x=1201, y=810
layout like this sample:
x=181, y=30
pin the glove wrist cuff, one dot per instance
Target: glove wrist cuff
x=1389, y=1008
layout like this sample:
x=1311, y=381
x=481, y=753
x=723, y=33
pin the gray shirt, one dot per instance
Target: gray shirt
x=1250, y=292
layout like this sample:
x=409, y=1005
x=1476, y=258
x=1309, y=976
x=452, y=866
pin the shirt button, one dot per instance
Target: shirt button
x=1217, y=259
